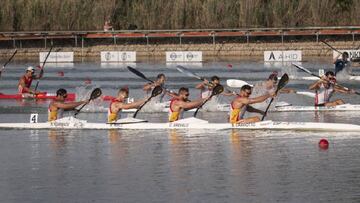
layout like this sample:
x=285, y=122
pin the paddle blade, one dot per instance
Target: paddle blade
x=187, y=72
x=218, y=89
x=95, y=93
x=138, y=73
x=283, y=81
x=156, y=91
x=302, y=68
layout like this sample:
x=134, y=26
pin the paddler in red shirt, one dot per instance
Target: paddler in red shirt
x=26, y=80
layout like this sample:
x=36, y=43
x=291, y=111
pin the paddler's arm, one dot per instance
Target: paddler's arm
x=131, y=105
x=190, y=105
x=254, y=110
x=69, y=105
x=315, y=85
x=148, y=86
x=202, y=85
x=258, y=99
x=336, y=58
x=343, y=90
x=287, y=90
x=228, y=93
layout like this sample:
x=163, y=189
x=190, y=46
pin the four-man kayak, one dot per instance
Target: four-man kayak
x=188, y=123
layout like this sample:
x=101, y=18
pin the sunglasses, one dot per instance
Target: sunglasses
x=187, y=94
x=248, y=92
x=65, y=96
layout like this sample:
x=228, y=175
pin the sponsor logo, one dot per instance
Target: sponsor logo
x=108, y=56
x=173, y=56
x=124, y=56
x=189, y=56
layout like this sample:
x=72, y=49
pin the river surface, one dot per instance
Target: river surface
x=173, y=165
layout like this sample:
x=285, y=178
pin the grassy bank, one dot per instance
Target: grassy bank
x=46, y=15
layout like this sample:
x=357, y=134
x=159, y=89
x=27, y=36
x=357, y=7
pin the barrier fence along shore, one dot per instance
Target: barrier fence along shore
x=155, y=43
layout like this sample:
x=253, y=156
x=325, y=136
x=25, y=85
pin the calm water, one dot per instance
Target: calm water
x=177, y=165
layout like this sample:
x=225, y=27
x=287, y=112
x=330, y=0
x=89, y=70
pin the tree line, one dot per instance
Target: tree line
x=52, y=15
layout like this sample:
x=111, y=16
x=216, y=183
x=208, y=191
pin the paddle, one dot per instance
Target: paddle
x=8, y=61
x=218, y=89
x=141, y=75
x=156, y=91
x=333, y=48
x=194, y=75
x=234, y=83
x=94, y=94
x=42, y=68
x=309, y=72
x=283, y=81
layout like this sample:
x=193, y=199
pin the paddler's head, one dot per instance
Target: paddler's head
x=245, y=91
x=272, y=79
x=345, y=56
x=184, y=93
x=161, y=78
x=215, y=80
x=123, y=93
x=30, y=71
x=330, y=76
x=61, y=94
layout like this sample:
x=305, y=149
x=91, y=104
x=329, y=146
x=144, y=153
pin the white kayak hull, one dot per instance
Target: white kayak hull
x=188, y=123
x=343, y=107
x=355, y=78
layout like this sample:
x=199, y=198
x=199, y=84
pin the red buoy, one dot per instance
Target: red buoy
x=229, y=66
x=323, y=144
x=60, y=73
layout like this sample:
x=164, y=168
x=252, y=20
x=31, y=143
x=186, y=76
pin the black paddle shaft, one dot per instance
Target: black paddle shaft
x=283, y=81
x=94, y=94
x=218, y=89
x=156, y=91
x=47, y=56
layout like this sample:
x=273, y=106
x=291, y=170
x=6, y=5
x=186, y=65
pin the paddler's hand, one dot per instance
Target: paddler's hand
x=272, y=94
x=290, y=91
x=351, y=91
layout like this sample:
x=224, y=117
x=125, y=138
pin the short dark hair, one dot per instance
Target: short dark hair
x=183, y=89
x=329, y=73
x=345, y=54
x=124, y=89
x=215, y=78
x=61, y=92
x=160, y=75
x=273, y=76
x=245, y=87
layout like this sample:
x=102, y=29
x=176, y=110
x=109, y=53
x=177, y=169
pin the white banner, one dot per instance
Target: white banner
x=118, y=56
x=282, y=56
x=56, y=57
x=183, y=56
x=352, y=53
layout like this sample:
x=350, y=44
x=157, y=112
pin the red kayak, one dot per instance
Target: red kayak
x=44, y=95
